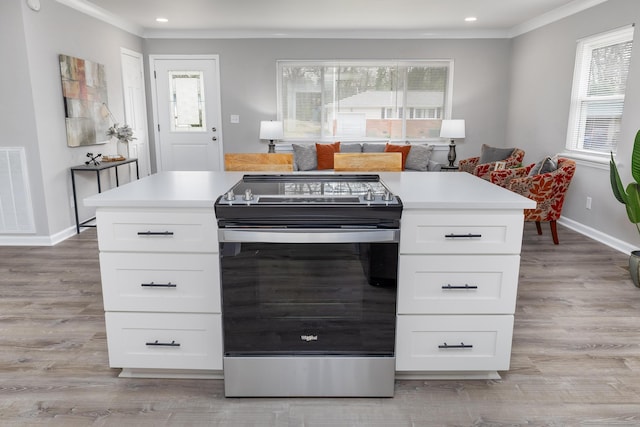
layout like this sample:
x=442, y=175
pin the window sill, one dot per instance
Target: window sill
x=590, y=160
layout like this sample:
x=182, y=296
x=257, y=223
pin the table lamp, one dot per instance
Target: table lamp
x=452, y=129
x=271, y=130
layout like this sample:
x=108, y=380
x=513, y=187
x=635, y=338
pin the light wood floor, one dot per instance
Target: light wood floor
x=575, y=362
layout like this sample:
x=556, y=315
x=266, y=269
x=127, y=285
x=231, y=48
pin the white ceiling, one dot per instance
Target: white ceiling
x=330, y=18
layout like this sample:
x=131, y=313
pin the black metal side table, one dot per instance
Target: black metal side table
x=97, y=169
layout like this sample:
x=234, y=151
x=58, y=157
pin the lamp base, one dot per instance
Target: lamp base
x=452, y=153
x=272, y=147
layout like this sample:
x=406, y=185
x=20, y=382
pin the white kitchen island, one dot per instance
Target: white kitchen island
x=456, y=296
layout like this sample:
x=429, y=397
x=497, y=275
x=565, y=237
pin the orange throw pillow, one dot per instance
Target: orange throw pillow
x=325, y=154
x=404, y=149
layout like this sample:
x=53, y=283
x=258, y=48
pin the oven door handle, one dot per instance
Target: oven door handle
x=309, y=236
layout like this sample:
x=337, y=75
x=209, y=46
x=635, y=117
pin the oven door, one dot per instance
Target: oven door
x=305, y=292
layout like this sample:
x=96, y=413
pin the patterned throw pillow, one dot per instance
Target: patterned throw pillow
x=325, y=154
x=418, y=158
x=404, y=149
x=305, y=157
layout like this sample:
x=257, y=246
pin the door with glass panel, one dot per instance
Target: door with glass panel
x=187, y=111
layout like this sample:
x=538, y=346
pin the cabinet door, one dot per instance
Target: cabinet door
x=157, y=230
x=473, y=232
x=160, y=282
x=453, y=343
x=464, y=284
x=164, y=340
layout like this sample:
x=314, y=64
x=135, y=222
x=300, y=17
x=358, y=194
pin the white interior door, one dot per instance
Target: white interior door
x=187, y=105
x=135, y=109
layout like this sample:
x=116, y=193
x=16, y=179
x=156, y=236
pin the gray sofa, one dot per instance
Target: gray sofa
x=418, y=159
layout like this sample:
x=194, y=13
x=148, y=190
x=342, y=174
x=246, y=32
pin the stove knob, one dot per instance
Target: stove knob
x=247, y=194
x=387, y=196
x=230, y=196
x=369, y=196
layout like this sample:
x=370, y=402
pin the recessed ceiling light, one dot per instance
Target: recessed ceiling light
x=162, y=20
x=470, y=19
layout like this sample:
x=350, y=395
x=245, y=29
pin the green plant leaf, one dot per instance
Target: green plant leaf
x=633, y=202
x=616, y=182
x=635, y=158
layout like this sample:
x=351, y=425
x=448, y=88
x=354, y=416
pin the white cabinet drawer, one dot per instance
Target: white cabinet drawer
x=453, y=343
x=157, y=230
x=464, y=284
x=473, y=232
x=164, y=341
x=160, y=282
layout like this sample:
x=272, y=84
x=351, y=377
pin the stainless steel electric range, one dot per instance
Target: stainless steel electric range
x=309, y=268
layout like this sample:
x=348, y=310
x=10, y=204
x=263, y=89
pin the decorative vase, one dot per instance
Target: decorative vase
x=122, y=148
x=634, y=265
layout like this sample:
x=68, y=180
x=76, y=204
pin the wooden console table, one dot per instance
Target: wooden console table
x=97, y=169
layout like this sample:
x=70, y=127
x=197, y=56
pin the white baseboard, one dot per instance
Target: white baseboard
x=599, y=236
x=54, y=239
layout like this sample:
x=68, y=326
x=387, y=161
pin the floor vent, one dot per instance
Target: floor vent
x=16, y=210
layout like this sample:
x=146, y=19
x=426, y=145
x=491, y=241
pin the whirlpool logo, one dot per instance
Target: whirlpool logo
x=308, y=338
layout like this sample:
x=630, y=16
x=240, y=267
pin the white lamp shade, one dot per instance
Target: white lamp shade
x=271, y=130
x=452, y=129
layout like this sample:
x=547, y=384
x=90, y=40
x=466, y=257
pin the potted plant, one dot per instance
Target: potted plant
x=631, y=199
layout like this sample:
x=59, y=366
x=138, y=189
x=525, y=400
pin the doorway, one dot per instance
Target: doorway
x=135, y=108
x=186, y=102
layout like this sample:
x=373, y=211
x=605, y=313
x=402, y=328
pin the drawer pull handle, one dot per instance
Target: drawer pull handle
x=461, y=345
x=158, y=285
x=463, y=236
x=163, y=344
x=155, y=233
x=460, y=287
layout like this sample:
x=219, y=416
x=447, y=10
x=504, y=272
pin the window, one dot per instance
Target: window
x=364, y=100
x=597, y=100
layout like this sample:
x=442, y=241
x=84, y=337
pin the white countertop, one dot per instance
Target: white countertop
x=418, y=190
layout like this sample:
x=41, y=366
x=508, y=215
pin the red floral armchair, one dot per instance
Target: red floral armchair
x=547, y=189
x=483, y=170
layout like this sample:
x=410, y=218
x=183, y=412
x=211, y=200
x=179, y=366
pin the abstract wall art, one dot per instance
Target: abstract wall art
x=84, y=89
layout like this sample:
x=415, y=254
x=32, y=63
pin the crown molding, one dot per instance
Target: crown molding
x=99, y=13
x=553, y=16
x=297, y=34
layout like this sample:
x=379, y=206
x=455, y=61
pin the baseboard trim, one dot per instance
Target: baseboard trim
x=54, y=239
x=171, y=373
x=448, y=375
x=598, y=236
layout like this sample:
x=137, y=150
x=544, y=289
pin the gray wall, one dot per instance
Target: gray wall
x=542, y=66
x=248, y=79
x=33, y=97
x=17, y=114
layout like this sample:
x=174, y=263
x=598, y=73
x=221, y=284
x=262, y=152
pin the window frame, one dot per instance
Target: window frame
x=446, y=108
x=580, y=100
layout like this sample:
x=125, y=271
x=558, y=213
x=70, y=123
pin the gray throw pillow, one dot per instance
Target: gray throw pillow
x=350, y=148
x=490, y=154
x=546, y=165
x=418, y=157
x=305, y=157
x=369, y=147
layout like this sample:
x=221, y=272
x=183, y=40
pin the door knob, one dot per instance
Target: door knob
x=214, y=138
x=213, y=129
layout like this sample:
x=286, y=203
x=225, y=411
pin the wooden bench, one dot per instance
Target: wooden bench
x=278, y=162
x=363, y=162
